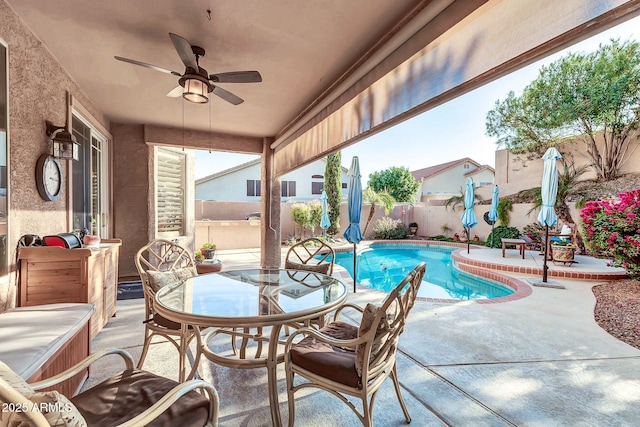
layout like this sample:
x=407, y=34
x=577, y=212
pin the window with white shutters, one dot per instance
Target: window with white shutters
x=170, y=192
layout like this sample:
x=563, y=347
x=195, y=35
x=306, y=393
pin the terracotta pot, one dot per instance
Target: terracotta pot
x=208, y=267
x=563, y=253
x=91, y=240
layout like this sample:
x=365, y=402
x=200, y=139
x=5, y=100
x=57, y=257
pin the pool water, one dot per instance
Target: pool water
x=382, y=267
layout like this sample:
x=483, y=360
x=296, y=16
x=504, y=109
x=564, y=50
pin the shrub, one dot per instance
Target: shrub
x=505, y=207
x=502, y=232
x=388, y=228
x=535, y=232
x=612, y=229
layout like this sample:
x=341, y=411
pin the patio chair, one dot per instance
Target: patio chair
x=312, y=255
x=131, y=398
x=345, y=359
x=302, y=256
x=159, y=263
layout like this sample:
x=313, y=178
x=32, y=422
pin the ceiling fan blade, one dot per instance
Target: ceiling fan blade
x=175, y=92
x=183, y=47
x=227, y=96
x=144, y=64
x=236, y=77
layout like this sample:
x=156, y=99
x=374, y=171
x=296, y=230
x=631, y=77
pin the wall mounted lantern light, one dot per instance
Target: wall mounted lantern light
x=63, y=143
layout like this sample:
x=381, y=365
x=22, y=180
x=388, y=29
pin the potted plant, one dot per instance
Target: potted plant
x=476, y=238
x=456, y=237
x=208, y=250
x=413, y=228
x=563, y=251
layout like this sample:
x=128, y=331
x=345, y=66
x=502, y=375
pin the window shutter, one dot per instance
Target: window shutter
x=170, y=193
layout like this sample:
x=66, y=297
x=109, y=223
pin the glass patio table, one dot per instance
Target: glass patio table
x=244, y=305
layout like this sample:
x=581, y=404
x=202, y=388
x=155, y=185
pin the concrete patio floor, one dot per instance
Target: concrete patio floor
x=536, y=361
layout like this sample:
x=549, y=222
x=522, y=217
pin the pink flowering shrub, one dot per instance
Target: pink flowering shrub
x=612, y=229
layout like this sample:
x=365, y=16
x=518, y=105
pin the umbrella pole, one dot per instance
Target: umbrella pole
x=354, y=268
x=468, y=240
x=546, y=250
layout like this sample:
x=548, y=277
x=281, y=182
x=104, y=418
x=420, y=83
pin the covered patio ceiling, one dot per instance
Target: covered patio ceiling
x=334, y=71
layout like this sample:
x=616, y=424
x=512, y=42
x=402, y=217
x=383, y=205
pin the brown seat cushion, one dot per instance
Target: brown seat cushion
x=314, y=268
x=123, y=396
x=335, y=363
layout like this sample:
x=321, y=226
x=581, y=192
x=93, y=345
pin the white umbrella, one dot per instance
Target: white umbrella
x=549, y=190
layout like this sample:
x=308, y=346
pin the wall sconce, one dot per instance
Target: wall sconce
x=63, y=143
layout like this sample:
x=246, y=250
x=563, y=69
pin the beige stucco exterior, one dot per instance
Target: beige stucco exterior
x=515, y=173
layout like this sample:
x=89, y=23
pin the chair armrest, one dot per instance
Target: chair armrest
x=19, y=403
x=128, y=360
x=322, y=338
x=171, y=397
x=347, y=305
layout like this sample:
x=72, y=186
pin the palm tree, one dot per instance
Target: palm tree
x=458, y=199
x=381, y=198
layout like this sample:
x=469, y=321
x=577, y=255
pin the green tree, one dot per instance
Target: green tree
x=581, y=95
x=333, y=188
x=505, y=207
x=382, y=198
x=397, y=181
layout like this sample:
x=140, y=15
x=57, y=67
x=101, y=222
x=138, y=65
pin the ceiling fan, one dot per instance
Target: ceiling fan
x=195, y=83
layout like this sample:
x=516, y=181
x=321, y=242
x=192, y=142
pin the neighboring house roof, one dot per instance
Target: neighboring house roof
x=425, y=173
x=228, y=171
x=240, y=167
x=480, y=169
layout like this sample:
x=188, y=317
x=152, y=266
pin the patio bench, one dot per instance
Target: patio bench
x=518, y=243
x=41, y=341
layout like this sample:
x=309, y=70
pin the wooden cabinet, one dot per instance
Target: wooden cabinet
x=50, y=274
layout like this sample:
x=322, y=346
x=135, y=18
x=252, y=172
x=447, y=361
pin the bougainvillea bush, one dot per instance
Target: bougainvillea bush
x=612, y=229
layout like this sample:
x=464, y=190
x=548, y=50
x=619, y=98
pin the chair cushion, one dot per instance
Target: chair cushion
x=160, y=279
x=366, y=324
x=58, y=410
x=317, y=268
x=334, y=363
x=128, y=394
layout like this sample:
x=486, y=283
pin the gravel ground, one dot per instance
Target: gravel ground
x=618, y=310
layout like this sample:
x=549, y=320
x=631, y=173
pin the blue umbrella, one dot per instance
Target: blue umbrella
x=468, y=217
x=493, y=213
x=549, y=190
x=354, y=204
x=325, y=222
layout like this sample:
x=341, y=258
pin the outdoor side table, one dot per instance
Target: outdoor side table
x=518, y=243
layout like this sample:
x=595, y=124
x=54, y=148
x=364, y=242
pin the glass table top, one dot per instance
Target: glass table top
x=253, y=293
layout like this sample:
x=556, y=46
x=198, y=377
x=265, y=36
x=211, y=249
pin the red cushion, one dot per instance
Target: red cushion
x=334, y=363
x=123, y=396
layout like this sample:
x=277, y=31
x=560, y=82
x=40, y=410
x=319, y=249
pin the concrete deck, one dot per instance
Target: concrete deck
x=540, y=360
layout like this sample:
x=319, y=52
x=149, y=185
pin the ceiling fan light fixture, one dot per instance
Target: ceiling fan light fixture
x=195, y=91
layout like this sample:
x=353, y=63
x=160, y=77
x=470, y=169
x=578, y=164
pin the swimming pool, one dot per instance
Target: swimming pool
x=383, y=266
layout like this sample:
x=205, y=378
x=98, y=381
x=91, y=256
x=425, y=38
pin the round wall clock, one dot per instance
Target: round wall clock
x=49, y=178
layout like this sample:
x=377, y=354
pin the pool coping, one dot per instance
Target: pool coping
x=521, y=288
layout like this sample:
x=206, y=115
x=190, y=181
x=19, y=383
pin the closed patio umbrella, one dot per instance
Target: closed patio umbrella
x=354, y=204
x=549, y=190
x=493, y=213
x=325, y=222
x=468, y=216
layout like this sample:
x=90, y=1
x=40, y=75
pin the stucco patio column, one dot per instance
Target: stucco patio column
x=270, y=211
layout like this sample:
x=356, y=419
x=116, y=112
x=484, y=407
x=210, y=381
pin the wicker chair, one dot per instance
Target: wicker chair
x=344, y=359
x=131, y=398
x=302, y=256
x=162, y=255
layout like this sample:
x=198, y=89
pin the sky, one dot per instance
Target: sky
x=448, y=132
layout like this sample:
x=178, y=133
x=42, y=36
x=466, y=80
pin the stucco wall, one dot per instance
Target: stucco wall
x=130, y=190
x=38, y=88
x=513, y=174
